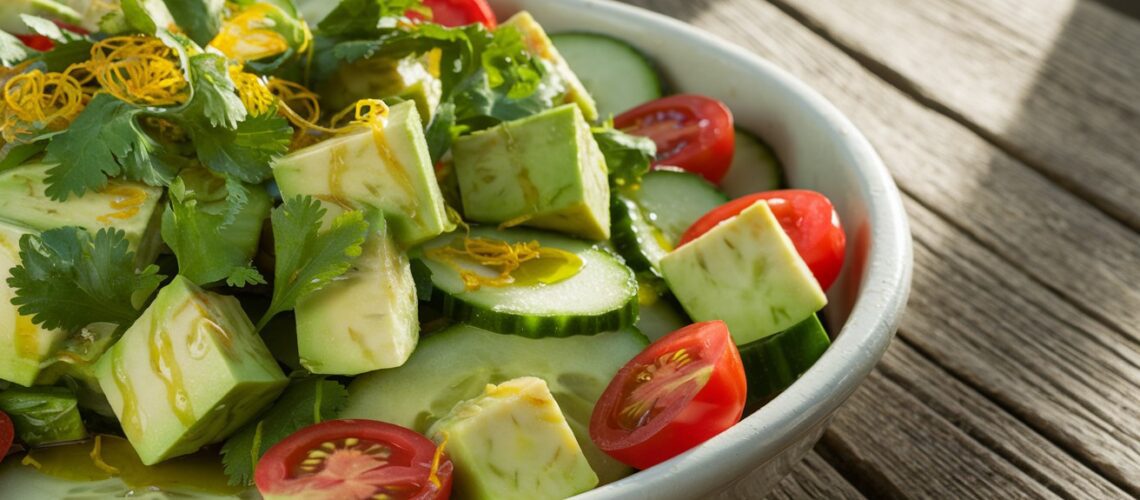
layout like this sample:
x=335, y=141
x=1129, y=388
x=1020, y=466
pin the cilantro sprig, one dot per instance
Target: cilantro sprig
x=628, y=157
x=69, y=278
x=308, y=258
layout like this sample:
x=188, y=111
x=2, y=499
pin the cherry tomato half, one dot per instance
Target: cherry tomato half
x=7, y=433
x=354, y=459
x=680, y=391
x=43, y=43
x=693, y=132
x=807, y=217
x=459, y=12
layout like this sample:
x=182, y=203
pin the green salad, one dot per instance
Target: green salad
x=376, y=249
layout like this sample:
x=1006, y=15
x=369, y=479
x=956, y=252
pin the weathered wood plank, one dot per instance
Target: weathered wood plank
x=992, y=426
x=899, y=448
x=1055, y=83
x=1047, y=329
x=1054, y=236
x=812, y=478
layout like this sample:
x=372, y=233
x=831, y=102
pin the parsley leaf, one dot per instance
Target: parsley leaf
x=627, y=156
x=105, y=141
x=215, y=95
x=245, y=152
x=307, y=259
x=69, y=279
x=305, y=402
x=210, y=249
x=362, y=18
x=12, y=50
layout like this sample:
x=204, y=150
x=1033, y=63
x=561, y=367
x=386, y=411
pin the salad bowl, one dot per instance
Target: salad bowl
x=821, y=150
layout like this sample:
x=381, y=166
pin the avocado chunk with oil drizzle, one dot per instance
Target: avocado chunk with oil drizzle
x=189, y=372
x=25, y=347
x=513, y=442
x=543, y=171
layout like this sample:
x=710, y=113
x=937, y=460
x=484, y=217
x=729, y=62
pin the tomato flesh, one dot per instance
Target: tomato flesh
x=352, y=459
x=459, y=13
x=37, y=42
x=692, y=132
x=7, y=434
x=806, y=216
x=682, y=390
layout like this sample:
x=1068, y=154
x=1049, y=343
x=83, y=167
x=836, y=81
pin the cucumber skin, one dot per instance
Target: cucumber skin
x=627, y=238
x=533, y=326
x=772, y=364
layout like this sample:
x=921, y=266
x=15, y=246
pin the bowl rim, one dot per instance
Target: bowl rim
x=874, y=318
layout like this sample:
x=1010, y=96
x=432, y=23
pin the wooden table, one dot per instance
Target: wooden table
x=1013, y=130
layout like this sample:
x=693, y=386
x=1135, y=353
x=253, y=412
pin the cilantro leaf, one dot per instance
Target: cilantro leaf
x=627, y=156
x=194, y=227
x=245, y=152
x=305, y=402
x=105, y=141
x=69, y=279
x=65, y=54
x=362, y=18
x=200, y=19
x=12, y=50
x=215, y=95
x=308, y=259
x=49, y=29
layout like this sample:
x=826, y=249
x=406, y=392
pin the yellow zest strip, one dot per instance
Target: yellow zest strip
x=516, y=221
x=248, y=36
x=28, y=460
x=97, y=457
x=302, y=108
x=37, y=101
x=498, y=255
x=433, y=476
x=139, y=69
x=126, y=203
x=252, y=90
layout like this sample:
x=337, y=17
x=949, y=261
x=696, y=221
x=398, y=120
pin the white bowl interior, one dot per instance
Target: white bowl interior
x=821, y=150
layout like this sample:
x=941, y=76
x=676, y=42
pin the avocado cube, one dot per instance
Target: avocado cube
x=43, y=415
x=745, y=271
x=513, y=442
x=365, y=320
x=127, y=206
x=24, y=346
x=545, y=170
x=539, y=45
x=74, y=362
x=189, y=372
x=393, y=80
x=385, y=168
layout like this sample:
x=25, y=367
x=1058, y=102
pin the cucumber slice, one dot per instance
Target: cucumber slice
x=674, y=199
x=615, y=74
x=754, y=155
x=640, y=243
x=661, y=317
x=773, y=363
x=457, y=363
x=601, y=296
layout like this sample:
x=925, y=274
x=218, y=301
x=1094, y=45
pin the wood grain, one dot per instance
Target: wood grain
x=813, y=478
x=1022, y=290
x=1055, y=83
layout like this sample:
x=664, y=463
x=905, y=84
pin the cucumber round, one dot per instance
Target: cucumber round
x=456, y=364
x=640, y=243
x=674, y=199
x=774, y=363
x=754, y=156
x=662, y=317
x=602, y=296
x=615, y=74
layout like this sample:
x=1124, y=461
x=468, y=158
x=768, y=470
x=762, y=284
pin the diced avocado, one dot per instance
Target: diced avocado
x=540, y=45
x=374, y=168
x=544, y=170
x=24, y=346
x=128, y=206
x=74, y=362
x=513, y=442
x=746, y=272
x=187, y=373
x=43, y=415
x=365, y=320
x=407, y=79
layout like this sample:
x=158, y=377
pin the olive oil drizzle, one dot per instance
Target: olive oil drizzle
x=164, y=363
x=520, y=264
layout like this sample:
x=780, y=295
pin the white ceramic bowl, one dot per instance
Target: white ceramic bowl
x=821, y=150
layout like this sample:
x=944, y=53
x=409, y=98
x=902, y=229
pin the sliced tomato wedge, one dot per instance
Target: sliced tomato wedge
x=43, y=43
x=7, y=434
x=355, y=459
x=680, y=391
x=807, y=217
x=692, y=132
x=459, y=13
